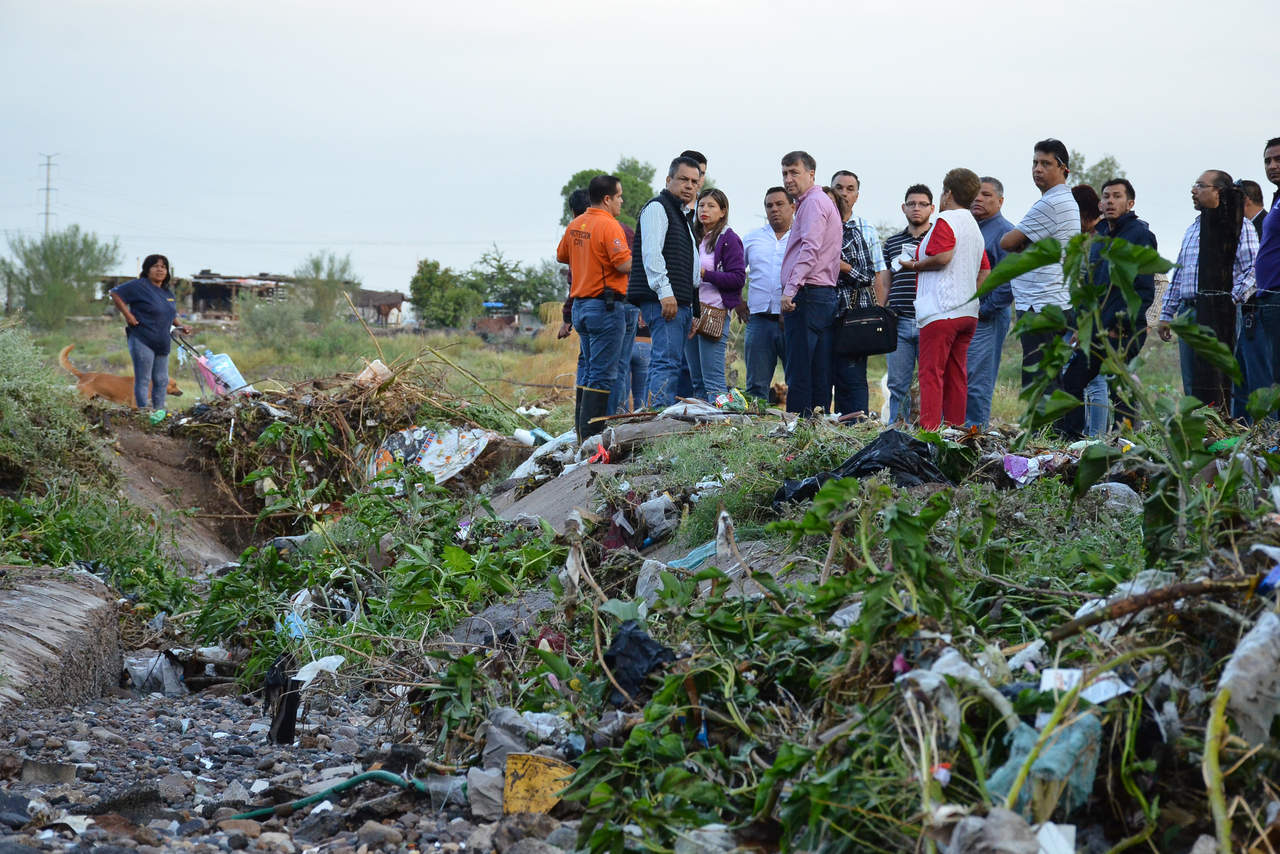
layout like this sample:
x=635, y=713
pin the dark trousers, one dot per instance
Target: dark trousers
x=808, y=335
x=850, y=379
x=1081, y=370
x=1034, y=342
x=1257, y=348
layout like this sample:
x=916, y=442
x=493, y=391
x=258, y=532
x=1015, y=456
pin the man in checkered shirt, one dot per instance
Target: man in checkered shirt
x=1184, y=287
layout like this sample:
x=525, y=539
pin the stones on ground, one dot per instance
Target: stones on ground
x=484, y=790
x=709, y=839
x=247, y=826
x=374, y=834
x=45, y=773
x=235, y=793
x=504, y=621
x=276, y=841
x=516, y=827
x=532, y=846
x=345, y=746
x=1117, y=497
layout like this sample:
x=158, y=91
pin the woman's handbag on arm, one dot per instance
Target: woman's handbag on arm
x=710, y=323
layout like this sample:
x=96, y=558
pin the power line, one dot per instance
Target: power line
x=48, y=190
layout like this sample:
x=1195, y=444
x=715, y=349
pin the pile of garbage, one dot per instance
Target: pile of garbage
x=964, y=637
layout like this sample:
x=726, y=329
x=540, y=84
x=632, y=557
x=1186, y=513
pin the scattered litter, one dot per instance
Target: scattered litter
x=1101, y=688
x=1143, y=582
x=909, y=461
x=1023, y=470
x=155, y=672
x=442, y=455
x=631, y=656
x=1029, y=658
x=560, y=448
x=847, y=616
x=309, y=671
x=733, y=401
x=660, y=516
x=533, y=411
x=696, y=410
x=532, y=783
x=1070, y=755
x=1252, y=675
x=375, y=373
x=933, y=688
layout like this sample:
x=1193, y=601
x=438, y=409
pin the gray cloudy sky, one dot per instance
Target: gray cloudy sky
x=241, y=136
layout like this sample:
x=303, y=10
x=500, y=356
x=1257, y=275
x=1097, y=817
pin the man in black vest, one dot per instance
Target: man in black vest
x=663, y=283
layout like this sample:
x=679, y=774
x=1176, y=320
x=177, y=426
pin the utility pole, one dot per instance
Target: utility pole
x=48, y=190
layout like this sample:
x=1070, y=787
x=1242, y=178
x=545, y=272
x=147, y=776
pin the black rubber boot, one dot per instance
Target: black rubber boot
x=577, y=411
x=595, y=404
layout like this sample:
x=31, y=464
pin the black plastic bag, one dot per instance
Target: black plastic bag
x=909, y=461
x=631, y=656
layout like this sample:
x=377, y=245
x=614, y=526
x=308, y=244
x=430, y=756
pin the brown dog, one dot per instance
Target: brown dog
x=92, y=384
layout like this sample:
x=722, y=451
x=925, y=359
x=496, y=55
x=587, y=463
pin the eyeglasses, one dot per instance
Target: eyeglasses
x=917, y=204
x=1199, y=185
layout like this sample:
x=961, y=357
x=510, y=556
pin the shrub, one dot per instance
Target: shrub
x=40, y=427
x=270, y=324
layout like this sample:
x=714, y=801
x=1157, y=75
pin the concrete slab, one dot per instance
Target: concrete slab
x=622, y=439
x=59, y=636
x=557, y=498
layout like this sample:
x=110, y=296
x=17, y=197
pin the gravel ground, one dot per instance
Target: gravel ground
x=159, y=773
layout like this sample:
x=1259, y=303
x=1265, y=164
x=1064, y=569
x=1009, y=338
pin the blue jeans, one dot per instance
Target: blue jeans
x=764, y=348
x=705, y=358
x=150, y=374
x=622, y=382
x=600, y=336
x=984, y=366
x=666, y=357
x=850, y=379
x=902, y=366
x=639, y=372
x=1185, y=354
x=1097, y=406
x=807, y=331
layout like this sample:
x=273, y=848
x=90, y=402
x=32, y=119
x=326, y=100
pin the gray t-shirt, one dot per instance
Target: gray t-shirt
x=1056, y=215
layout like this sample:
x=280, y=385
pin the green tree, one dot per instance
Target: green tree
x=1093, y=174
x=56, y=275
x=325, y=277
x=637, y=187
x=516, y=286
x=443, y=298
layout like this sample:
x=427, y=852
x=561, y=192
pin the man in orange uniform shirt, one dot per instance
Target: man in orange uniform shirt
x=599, y=258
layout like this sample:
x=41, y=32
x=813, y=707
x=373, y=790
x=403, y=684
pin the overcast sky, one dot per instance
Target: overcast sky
x=241, y=136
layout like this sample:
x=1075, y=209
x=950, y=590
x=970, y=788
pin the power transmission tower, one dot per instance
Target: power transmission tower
x=48, y=190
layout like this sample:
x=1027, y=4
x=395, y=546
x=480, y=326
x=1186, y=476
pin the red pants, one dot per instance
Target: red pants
x=944, y=353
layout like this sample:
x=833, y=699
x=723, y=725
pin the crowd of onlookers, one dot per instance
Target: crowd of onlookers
x=819, y=291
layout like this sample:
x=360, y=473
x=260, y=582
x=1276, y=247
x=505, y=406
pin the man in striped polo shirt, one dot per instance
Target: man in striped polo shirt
x=917, y=206
x=1056, y=215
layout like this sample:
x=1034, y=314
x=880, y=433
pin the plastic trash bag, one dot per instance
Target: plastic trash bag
x=909, y=461
x=631, y=656
x=1253, y=677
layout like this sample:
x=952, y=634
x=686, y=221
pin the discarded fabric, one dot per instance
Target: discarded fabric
x=1070, y=755
x=630, y=658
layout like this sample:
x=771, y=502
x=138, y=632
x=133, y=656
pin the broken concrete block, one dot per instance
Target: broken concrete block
x=484, y=788
x=59, y=637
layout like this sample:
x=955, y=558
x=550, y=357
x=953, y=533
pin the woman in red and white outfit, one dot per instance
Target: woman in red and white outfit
x=952, y=263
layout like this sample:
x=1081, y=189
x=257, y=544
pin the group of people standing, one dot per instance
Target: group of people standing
x=682, y=272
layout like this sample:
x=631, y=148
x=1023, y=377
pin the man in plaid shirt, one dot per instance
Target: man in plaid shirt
x=861, y=264
x=1184, y=287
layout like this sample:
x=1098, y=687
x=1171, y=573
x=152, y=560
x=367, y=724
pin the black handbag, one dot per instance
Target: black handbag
x=862, y=328
x=865, y=332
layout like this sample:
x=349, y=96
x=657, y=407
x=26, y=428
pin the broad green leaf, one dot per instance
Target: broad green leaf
x=1207, y=346
x=1040, y=254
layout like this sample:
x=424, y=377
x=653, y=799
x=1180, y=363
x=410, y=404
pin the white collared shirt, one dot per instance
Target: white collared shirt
x=764, y=251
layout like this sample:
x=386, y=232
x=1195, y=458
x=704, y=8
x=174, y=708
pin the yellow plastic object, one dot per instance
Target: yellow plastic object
x=533, y=783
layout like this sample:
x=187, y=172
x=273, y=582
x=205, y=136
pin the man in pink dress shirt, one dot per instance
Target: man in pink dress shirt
x=809, y=270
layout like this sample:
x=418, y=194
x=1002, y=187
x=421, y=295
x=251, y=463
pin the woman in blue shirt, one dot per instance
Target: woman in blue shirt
x=150, y=310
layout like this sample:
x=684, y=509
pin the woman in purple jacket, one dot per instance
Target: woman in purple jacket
x=723, y=268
